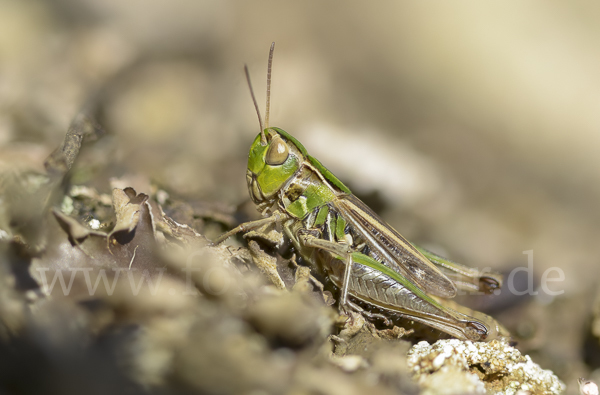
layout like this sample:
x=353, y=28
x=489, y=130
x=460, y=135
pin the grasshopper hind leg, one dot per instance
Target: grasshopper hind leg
x=345, y=302
x=397, y=295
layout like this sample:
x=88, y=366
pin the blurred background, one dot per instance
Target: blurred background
x=473, y=128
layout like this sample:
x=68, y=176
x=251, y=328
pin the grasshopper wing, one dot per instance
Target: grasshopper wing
x=387, y=246
x=465, y=278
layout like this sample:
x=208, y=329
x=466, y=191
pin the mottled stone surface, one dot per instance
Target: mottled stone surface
x=455, y=367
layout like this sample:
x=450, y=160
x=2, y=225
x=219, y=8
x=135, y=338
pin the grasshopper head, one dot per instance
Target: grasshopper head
x=271, y=165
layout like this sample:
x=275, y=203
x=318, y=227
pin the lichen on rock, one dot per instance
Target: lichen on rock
x=494, y=367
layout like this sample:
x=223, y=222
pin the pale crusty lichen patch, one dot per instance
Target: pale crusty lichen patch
x=498, y=367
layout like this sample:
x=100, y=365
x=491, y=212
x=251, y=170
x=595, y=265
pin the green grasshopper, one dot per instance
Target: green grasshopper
x=360, y=253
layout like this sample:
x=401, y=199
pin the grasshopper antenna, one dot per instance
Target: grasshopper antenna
x=263, y=138
x=268, y=108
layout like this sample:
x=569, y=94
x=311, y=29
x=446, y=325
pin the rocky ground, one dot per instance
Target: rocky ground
x=124, y=132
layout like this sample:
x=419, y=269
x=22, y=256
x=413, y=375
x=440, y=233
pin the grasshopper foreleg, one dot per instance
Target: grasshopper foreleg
x=246, y=226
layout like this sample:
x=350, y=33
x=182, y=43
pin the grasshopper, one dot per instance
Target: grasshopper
x=367, y=259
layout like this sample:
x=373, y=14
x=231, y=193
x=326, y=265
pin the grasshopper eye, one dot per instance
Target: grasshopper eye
x=278, y=152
